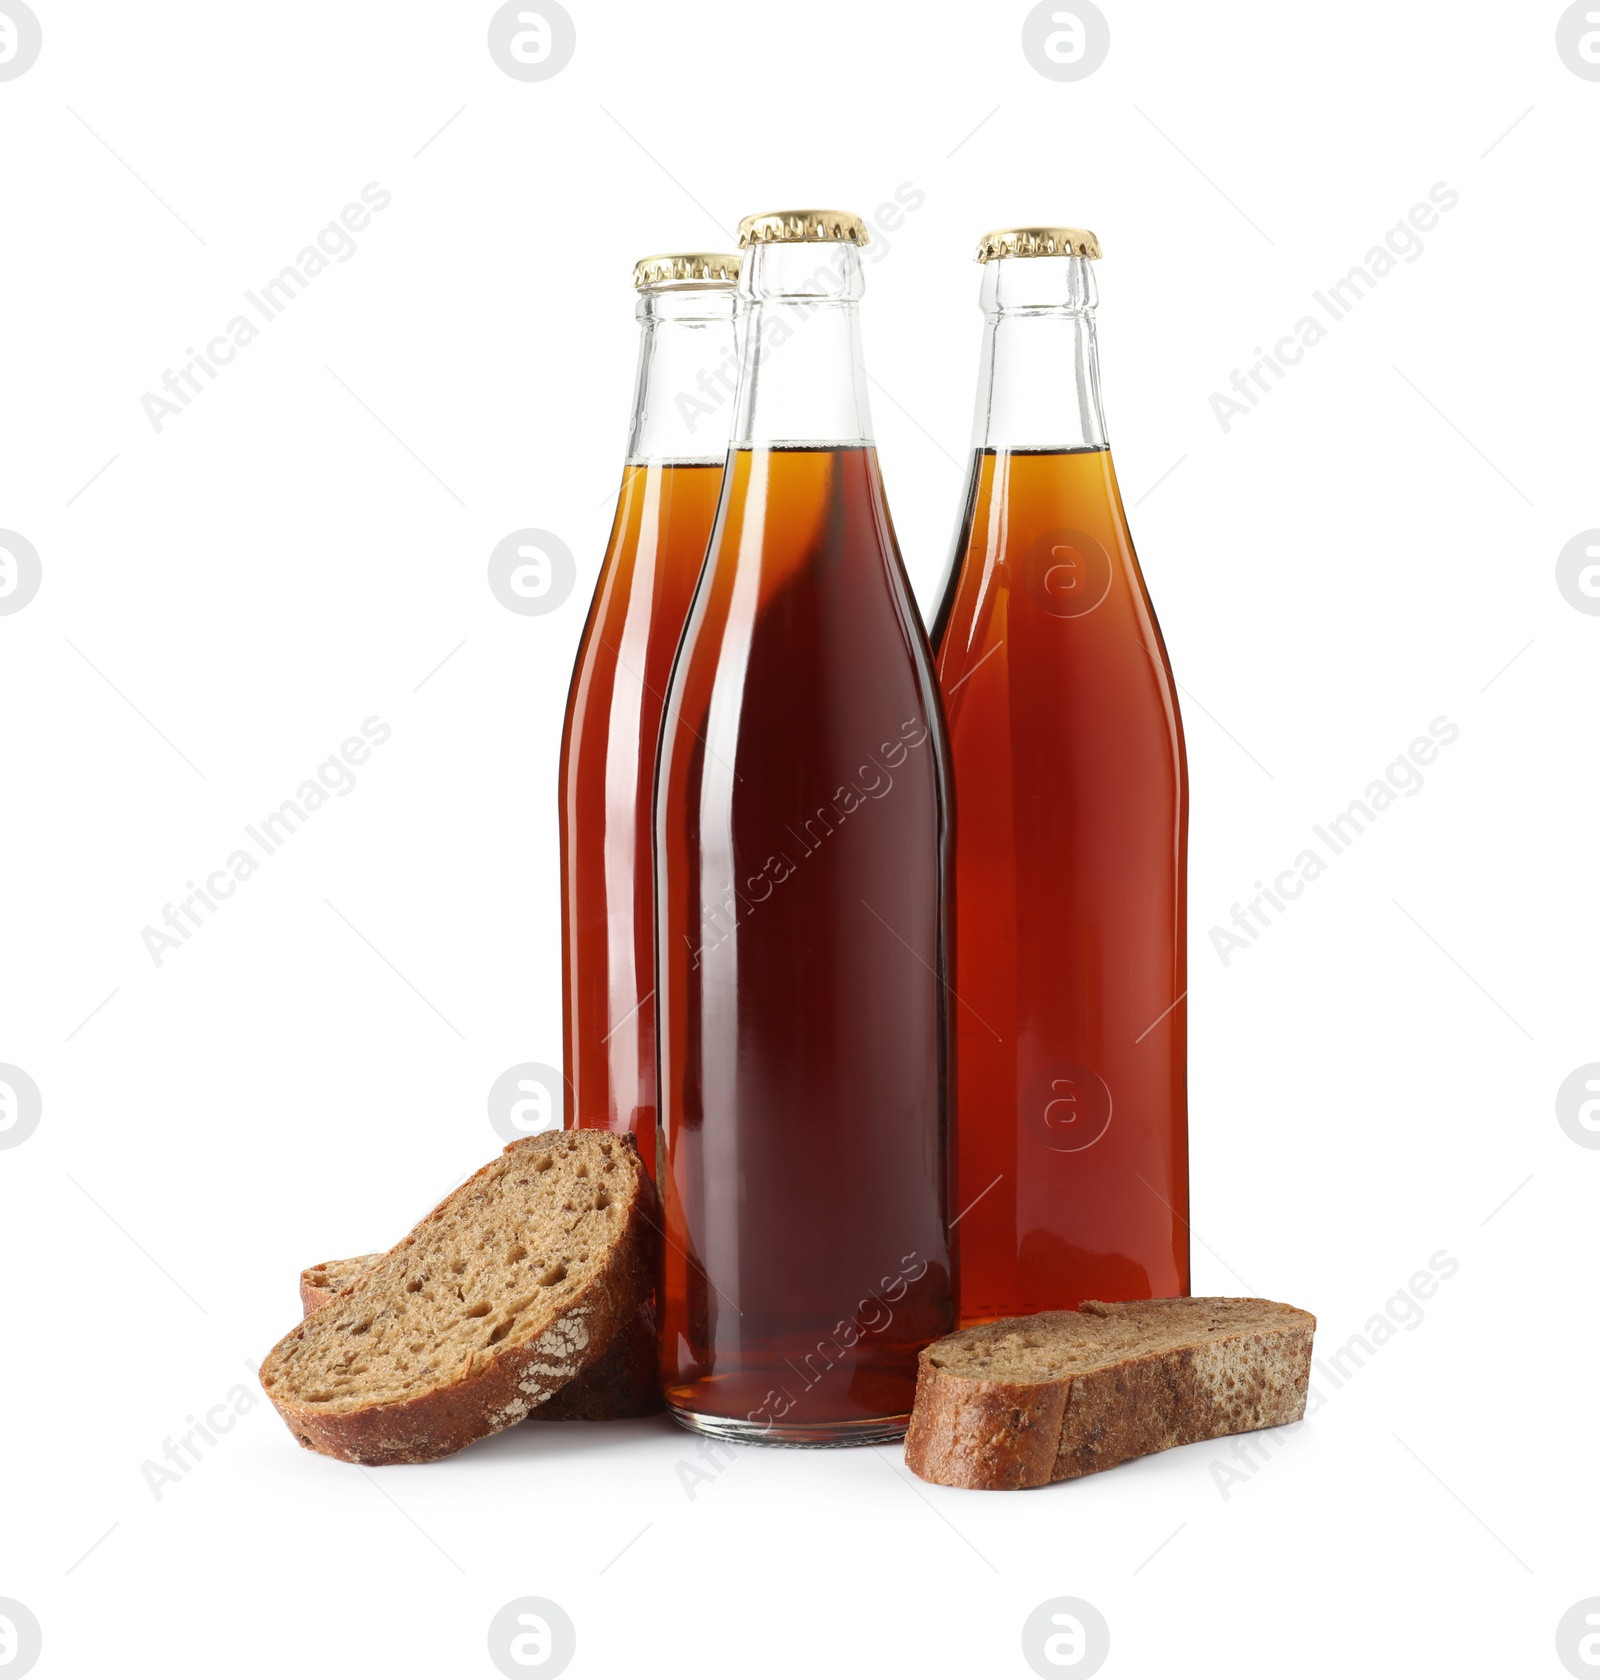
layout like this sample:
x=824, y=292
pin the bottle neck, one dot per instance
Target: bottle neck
x=683, y=396
x=1039, y=377
x=801, y=381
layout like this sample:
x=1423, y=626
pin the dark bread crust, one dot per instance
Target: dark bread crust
x=623, y=1383
x=1015, y=1432
x=494, y=1388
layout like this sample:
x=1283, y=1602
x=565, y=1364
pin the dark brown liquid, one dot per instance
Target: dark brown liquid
x=801, y=833
x=1072, y=806
x=608, y=765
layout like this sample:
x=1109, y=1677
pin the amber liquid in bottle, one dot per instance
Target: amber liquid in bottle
x=801, y=833
x=665, y=511
x=1071, y=799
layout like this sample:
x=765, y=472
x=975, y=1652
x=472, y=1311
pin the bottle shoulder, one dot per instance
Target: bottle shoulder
x=1044, y=597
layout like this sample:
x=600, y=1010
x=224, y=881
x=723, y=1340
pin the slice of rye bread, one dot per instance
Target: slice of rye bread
x=1026, y=1401
x=622, y=1383
x=513, y=1286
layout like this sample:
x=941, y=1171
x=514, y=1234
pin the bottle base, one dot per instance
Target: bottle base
x=864, y=1432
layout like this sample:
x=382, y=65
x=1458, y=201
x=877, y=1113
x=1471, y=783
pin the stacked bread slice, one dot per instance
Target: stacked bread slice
x=526, y=1293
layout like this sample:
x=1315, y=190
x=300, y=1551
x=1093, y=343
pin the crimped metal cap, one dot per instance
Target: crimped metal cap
x=703, y=268
x=1037, y=242
x=785, y=227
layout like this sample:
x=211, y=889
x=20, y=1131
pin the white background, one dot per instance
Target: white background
x=230, y=597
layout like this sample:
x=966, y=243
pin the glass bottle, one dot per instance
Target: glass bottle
x=801, y=834
x=1070, y=853
x=682, y=417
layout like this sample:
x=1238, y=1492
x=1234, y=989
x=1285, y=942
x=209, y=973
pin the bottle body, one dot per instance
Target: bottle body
x=1070, y=855
x=801, y=873
x=665, y=510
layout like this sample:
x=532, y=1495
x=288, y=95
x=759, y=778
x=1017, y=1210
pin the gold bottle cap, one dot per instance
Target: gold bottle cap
x=785, y=227
x=1037, y=242
x=703, y=268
